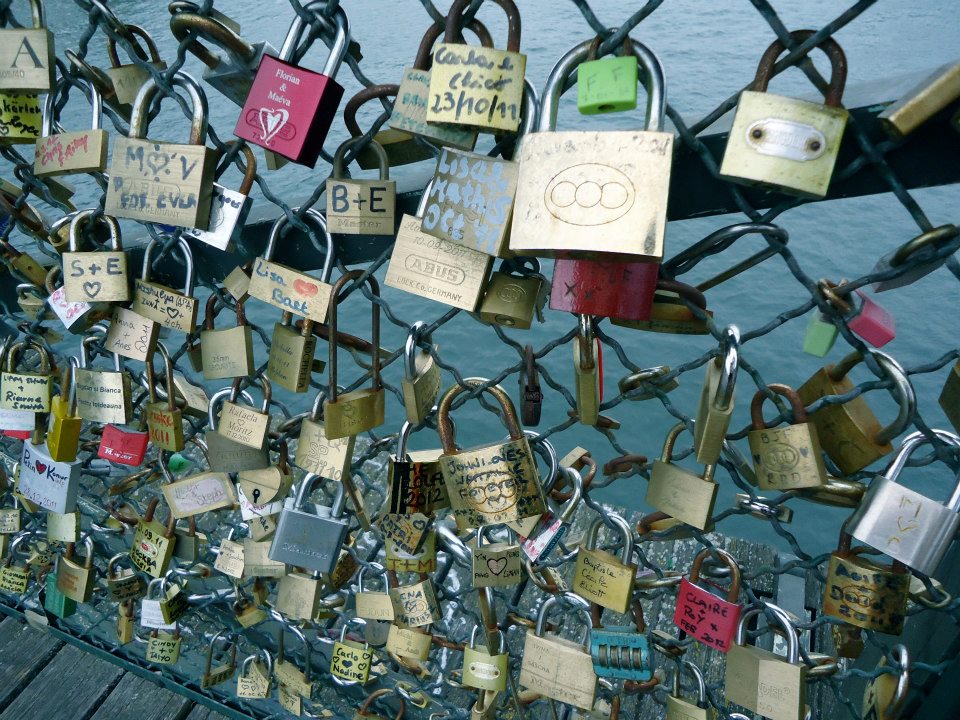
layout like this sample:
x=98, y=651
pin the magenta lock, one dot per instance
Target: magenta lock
x=603, y=288
x=290, y=109
x=871, y=321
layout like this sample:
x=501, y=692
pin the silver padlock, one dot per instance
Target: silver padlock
x=310, y=536
x=902, y=523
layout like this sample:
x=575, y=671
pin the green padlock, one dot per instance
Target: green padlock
x=820, y=336
x=55, y=602
x=609, y=84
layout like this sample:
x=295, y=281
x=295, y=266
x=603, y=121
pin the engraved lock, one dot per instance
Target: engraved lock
x=588, y=372
x=310, y=536
x=286, y=673
x=11, y=521
x=168, y=307
x=601, y=577
x=246, y=425
x=456, y=99
x=21, y=115
x=531, y=396
x=414, y=605
x=126, y=80
x=401, y=147
x=255, y=677
x=270, y=484
x=63, y=434
x=680, y=493
x=232, y=74
x=316, y=453
x=361, y=207
x=55, y=602
x=225, y=455
x=71, y=152
x=680, y=709
x=103, y=396
x=449, y=273
x=74, y=580
x=607, y=85
x=901, y=522
x=885, y=696
x=785, y=458
x=864, y=593
x=482, y=669
x=228, y=208
x=716, y=398
x=421, y=375
x=583, y=192
x=703, y=615
x=849, y=432
x=134, y=191
x=620, y=652
x=508, y=488
x=27, y=55
x=226, y=353
x=374, y=607
x=95, y=277
x=358, y=410
x=410, y=542
x=411, y=644
x=514, y=294
x=289, y=109
x=761, y=681
x=677, y=308
x=289, y=289
x=224, y=671
x=46, y=482
x=350, y=661
x=123, y=584
x=15, y=578
x=164, y=419
x=782, y=143
x=298, y=595
x=131, y=335
x=496, y=564
x=152, y=546
x=555, y=667
x=30, y=391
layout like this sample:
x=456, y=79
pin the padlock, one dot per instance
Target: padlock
x=457, y=97
x=588, y=372
x=607, y=85
x=601, y=577
x=54, y=601
x=173, y=603
x=73, y=579
x=237, y=281
x=508, y=488
x=549, y=529
x=310, y=536
x=99, y=276
x=708, y=618
x=187, y=540
x=29, y=391
x=680, y=709
x=364, y=710
x=11, y=521
x=72, y=152
x=289, y=289
x=32, y=301
x=671, y=311
x=604, y=288
x=847, y=640
x=680, y=493
x=27, y=55
x=75, y=317
x=862, y=315
x=531, y=396
x=230, y=75
x=248, y=614
x=716, y=399
x=820, y=335
x=885, y=695
x=482, y=669
x=927, y=244
x=163, y=648
x=555, y=667
x=581, y=192
x=152, y=546
x=863, y=593
x=50, y=484
x=786, y=458
x=226, y=353
x=350, y=660
x=354, y=412
x=902, y=523
x=298, y=595
x=125, y=625
x=514, y=294
x=63, y=435
x=221, y=673
x=15, y=578
x=374, y=607
x=134, y=190
x=620, y=652
x=496, y=564
x=63, y=527
x=131, y=335
x=128, y=79
x=410, y=543
x=170, y=308
x=401, y=147
x=761, y=681
x=21, y=117
x=124, y=584
x=228, y=208
x=316, y=453
x=849, y=432
x=421, y=376
x=245, y=425
x=255, y=677
x=286, y=673
x=414, y=605
x=361, y=207
x=950, y=397
x=164, y=419
x=448, y=273
x=124, y=445
x=289, y=109
x=782, y=143
x=225, y=455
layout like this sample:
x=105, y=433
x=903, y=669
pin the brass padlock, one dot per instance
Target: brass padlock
x=298, y=595
x=131, y=335
x=126, y=80
x=515, y=293
x=601, y=577
x=483, y=669
x=95, y=277
x=223, y=672
x=73, y=579
x=226, y=353
x=164, y=419
x=225, y=455
x=124, y=584
x=152, y=546
x=421, y=376
x=163, y=648
x=886, y=695
x=680, y=493
x=27, y=55
x=245, y=425
x=680, y=709
x=350, y=660
x=22, y=390
x=588, y=372
x=126, y=623
x=71, y=152
x=255, y=677
x=401, y=147
x=285, y=672
x=168, y=307
x=270, y=484
x=103, y=396
x=716, y=399
x=782, y=143
x=361, y=207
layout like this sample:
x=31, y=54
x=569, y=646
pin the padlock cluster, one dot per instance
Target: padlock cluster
x=451, y=577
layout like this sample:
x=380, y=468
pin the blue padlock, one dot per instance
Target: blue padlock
x=621, y=652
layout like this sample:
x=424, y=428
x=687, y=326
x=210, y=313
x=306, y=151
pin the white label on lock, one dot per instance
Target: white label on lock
x=68, y=312
x=786, y=139
x=17, y=419
x=544, y=537
x=248, y=510
x=152, y=617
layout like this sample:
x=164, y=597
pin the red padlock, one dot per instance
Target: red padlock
x=603, y=288
x=701, y=614
x=863, y=315
x=289, y=109
x=123, y=445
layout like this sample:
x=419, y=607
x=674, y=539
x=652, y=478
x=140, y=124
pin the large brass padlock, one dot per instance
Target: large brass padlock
x=782, y=143
x=103, y=396
x=680, y=493
x=95, y=277
x=361, y=207
x=183, y=197
x=27, y=55
x=73, y=579
x=71, y=152
x=246, y=425
x=225, y=455
x=168, y=307
x=152, y=547
x=680, y=709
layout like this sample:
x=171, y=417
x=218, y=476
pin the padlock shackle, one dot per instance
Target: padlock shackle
x=265, y=386
x=838, y=64
x=381, y=572
x=168, y=377
x=756, y=405
x=339, y=46
x=697, y=675
x=569, y=598
x=213, y=641
x=217, y=399
x=13, y=355
x=133, y=30
x=625, y=50
x=374, y=330
x=730, y=350
x=936, y=237
x=910, y=443
x=455, y=20
x=666, y=455
x=585, y=339
x=424, y=58
x=362, y=98
x=417, y=332
x=249, y=166
x=198, y=101
x=376, y=695
x=383, y=162
x=686, y=292
x=319, y=221
x=592, y=534
x=733, y=593
x=91, y=339
x=82, y=217
x=651, y=77
x=93, y=75
x=93, y=95
x=424, y=199
x=185, y=251
x=445, y=428
x=293, y=629
x=793, y=642
x=212, y=30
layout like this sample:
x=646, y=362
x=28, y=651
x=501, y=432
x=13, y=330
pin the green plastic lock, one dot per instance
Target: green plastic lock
x=609, y=84
x=821, y=335
x=55, y=602
x=178, y=463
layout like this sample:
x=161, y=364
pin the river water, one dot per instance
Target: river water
x=709, y=51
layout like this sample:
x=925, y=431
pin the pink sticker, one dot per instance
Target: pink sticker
x=706, y=617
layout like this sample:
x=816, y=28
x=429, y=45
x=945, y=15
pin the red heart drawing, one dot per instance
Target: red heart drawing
x=41, y=467
x=305, y=288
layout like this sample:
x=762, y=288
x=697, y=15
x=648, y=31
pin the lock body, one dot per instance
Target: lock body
x=511, y=300
x=788, y=457
x=681, y=494
x=865, y=594
x=603, y=288
x=607, y=85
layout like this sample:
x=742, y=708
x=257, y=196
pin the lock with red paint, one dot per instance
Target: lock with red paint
x=604, y=288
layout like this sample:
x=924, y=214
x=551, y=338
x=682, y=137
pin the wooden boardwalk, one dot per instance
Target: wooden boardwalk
x=43, y=678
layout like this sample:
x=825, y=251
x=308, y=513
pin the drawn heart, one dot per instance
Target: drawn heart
x=805, y=451
x=41, y=467
x=172, y=312
x=496, y=565
x=346, y=663
x=302, y=287
x=157, y=161
x=271, y=121
x=92, y=288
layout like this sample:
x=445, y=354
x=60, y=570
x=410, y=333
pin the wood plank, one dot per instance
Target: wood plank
x=138, y=698
x=68, y=688
x=204, y=713
x=26, y=651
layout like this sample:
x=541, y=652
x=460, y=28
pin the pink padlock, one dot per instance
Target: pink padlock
x=123, y=445
x=871, y=321
x=604, y=289
x=290, y=109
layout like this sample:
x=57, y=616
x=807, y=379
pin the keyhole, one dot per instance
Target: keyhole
x=256, y=496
